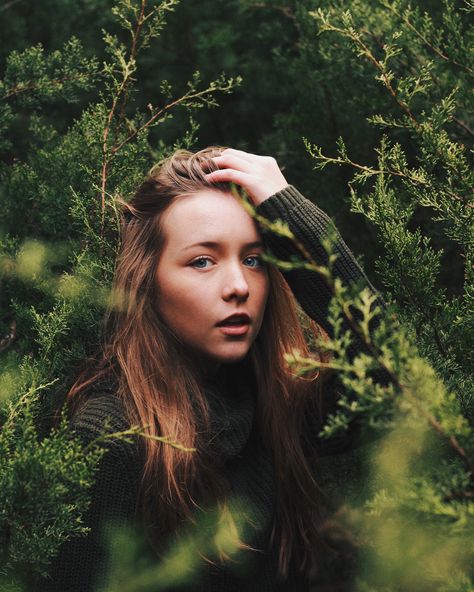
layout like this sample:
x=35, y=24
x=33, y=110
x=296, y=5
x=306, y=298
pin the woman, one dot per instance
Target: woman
x=196, y=353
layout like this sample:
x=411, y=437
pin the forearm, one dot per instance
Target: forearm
x=310, y=226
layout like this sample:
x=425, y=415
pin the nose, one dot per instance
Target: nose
x=235, y=284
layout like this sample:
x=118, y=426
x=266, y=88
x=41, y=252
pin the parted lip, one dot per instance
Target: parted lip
x=241, y=316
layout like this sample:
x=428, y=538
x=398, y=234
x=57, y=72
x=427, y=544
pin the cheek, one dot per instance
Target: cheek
x=179, y=303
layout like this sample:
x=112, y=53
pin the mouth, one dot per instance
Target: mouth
x=236, y=320
x=234, y=329
x=236, y=324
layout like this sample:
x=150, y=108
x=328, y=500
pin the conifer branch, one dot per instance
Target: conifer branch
x=186, y=98
x=413, y=177
x=133, y=51
x=139, y=431
x=425, y=40
x=355, y=36
x=357, y=328
x=384, y=76
x=128, y=67
x=25, y=87
x=192, y=98
x=24, y=402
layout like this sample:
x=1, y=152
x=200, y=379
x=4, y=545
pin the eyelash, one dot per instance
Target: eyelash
x=203, y=258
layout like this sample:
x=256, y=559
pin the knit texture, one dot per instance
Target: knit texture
x=311, y=225
x=245, y=465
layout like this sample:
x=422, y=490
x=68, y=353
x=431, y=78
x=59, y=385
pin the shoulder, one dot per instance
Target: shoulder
x=99, y=416
x=100, y=420
x=98, y=411
x=99, y=408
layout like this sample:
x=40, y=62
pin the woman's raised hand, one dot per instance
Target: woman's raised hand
x=260, y=176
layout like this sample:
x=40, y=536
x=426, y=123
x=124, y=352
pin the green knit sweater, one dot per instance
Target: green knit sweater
x=247, y=468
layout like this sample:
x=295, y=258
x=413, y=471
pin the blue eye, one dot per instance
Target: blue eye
x=257, y=258
x=193, y=263
x=196, y=263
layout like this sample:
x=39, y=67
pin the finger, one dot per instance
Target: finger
x=239, y=153
x=229, y=176
x=230, y=161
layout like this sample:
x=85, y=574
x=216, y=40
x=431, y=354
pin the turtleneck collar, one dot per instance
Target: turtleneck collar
x=232, y=402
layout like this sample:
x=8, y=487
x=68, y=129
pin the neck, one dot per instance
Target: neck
x=203, y=368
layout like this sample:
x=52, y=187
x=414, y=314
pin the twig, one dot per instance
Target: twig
x=121, y=90
x=30, y=86
x=155, y=116
x=139, y=431
x=356, y=38
x=133, y=51
x=354, y=325
x=436, y=50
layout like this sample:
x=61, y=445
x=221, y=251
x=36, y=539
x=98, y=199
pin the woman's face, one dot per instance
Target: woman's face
x=200, y=284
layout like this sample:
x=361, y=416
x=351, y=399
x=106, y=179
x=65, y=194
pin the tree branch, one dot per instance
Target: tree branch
x=420, y=35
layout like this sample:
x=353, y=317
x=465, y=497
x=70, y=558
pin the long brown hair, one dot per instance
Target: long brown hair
x=159, y=388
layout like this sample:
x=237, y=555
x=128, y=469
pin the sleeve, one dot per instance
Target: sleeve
x=310, y=226
x=81, y=563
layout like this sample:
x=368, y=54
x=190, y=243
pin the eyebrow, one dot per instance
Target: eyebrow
x=215, y=245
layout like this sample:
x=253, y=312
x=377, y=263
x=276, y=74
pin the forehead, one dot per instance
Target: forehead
x=207, y=215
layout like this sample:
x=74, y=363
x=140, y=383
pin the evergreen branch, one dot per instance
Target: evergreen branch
x=356, y=38
x=128, y=67
x=359, y=329
x=459, y=122
x=317, y=154
x=139, y=431
x=105, y=151
x=188, y=97
x=307, y=364
x=133, y=52
x=412, y=177
x=23, y=403
x=384, y=76
x=136, y=34
x=425, y=40
x=32, y=86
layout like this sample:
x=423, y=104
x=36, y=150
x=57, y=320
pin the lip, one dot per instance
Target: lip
x=243, y=316
x=237, y=330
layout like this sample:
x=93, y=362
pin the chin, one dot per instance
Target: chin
x=231, y=358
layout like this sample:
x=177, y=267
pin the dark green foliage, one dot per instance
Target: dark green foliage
x=416, y=191
x=34, y=476
x=58, y=239
x=376, y=95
